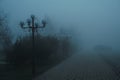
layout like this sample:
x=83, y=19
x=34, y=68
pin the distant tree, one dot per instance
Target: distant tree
x=5, y=34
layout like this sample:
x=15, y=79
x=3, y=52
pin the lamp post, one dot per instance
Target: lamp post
x=33, y=26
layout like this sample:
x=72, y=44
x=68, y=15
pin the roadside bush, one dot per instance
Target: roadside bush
x=22, y=52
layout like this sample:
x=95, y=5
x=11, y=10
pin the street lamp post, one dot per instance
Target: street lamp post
x=33, y=27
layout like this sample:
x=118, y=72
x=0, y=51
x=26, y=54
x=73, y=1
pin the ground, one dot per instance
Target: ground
x=86, y=65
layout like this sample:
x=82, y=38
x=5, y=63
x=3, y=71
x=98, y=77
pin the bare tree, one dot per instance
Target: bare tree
x=5, y=34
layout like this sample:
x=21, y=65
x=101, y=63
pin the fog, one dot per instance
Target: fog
x=93, y=22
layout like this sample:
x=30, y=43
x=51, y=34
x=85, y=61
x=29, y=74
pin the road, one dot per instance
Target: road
x=83, y=66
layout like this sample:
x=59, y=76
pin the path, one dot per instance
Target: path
x=83, y=66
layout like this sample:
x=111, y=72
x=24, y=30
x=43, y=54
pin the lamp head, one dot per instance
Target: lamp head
x=28, y=22
x=32, y=16
x=36, y=25
x=44, y=23
x=22, y=24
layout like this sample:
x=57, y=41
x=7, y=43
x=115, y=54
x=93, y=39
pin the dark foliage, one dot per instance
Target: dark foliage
x=22, y=51
x=5, y=33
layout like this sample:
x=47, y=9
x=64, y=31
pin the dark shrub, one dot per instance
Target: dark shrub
x=22, y=51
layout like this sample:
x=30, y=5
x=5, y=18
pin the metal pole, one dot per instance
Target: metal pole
x=33, y=47
x=33, y=26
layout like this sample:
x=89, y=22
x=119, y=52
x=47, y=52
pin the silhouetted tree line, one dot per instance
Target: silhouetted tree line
x=45, y=47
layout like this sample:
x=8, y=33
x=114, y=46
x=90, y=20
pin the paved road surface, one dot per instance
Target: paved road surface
x=83, y=66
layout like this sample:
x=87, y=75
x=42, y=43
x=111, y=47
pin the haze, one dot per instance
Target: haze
x=94, y=22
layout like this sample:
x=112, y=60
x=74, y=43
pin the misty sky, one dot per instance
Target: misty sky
x=94, y=21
